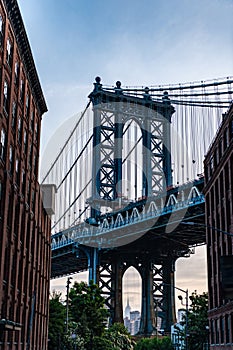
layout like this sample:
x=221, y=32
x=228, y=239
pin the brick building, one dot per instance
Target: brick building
x=24, y=224
x=219, y=217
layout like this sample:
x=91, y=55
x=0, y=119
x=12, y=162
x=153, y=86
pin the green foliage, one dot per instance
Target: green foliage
x=88, y=311
x=119, y=328
x=57, y=313
x=87, y=326
x=103, y=343
x=154, y=344
x=115, y=338
x=120, y=337
x=73, y=340
x=198, y=321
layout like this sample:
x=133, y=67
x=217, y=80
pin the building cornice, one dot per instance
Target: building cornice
x=17, y=24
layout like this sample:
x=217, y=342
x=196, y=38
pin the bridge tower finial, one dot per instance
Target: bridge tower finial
x=97, y=84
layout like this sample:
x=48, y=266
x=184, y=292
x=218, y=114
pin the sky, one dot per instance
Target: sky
x=137, y=42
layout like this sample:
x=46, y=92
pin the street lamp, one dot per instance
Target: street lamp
x=67, y=301
x=191, y=223
x=186, y=308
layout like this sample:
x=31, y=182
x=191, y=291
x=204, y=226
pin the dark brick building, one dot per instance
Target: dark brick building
x=219, y=217
x=24, y=224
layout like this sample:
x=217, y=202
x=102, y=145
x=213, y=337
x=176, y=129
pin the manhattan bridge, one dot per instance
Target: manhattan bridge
x=127, y=179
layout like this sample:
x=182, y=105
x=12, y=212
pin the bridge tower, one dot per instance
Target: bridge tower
x=112, y=110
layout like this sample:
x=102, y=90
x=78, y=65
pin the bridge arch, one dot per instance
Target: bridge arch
x=132, y=297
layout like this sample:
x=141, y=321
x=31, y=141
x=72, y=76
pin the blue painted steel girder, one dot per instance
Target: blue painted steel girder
x=109, y=119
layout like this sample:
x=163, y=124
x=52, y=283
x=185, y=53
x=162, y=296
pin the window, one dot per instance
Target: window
x=16, y=80
x=13, y=116
x=23, y=181
x=33, y=200
x=10, y=159
x=226, y=138
x=228, y=327
x=217, y=331
x=1, y=31
x=34, y=165
x=3, y=144
x=222, y=327
x=211, y=165
x=25, y=141
x=28, y=192
x=217, y=155
x=36, y=132
x=30, y=156
x=27, y=105
x=22, y=86
x=17, y=170
x=6, y=96
x=32, y=121
x=10, y=210
x=220, y=148
x=9, y=52
x=19, y=130
x=1, y=201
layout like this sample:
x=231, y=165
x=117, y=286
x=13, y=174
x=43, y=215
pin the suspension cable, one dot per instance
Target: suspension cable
x=66, y=143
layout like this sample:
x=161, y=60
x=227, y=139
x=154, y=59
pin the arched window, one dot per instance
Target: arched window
x=132, y=294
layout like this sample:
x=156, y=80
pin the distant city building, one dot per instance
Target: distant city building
x=219, y=217
x=24, y=224
x=127, y=309
x=177, y=336
x=177, y=331
x=131, y=319
x=181, y=315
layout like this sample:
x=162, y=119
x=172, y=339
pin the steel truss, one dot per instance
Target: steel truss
x=111, y=112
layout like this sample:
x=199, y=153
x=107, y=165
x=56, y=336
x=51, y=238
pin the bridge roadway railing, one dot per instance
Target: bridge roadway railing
x=127, y=223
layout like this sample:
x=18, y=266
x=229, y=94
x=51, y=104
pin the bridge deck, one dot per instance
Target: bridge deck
x=141, y=227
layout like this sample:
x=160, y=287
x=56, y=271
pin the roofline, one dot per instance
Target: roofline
x=18, y=27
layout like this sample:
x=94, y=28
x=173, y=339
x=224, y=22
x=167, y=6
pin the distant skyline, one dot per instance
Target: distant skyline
x=138, y=43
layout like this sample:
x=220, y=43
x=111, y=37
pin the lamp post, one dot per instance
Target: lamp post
x=186, y=309
x=67, y=301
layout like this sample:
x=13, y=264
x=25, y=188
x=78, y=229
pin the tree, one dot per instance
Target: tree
x=57, y=329
x=154, y=344
x=198, y=321
x=88, y=311
x=120, y=337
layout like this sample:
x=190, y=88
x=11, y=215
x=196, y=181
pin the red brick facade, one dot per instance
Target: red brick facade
x=219, y=214
x=24, y=224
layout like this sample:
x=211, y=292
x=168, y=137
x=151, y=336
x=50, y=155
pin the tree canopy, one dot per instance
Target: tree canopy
x=87, y=310
x=198, y=321
x=57, y=329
